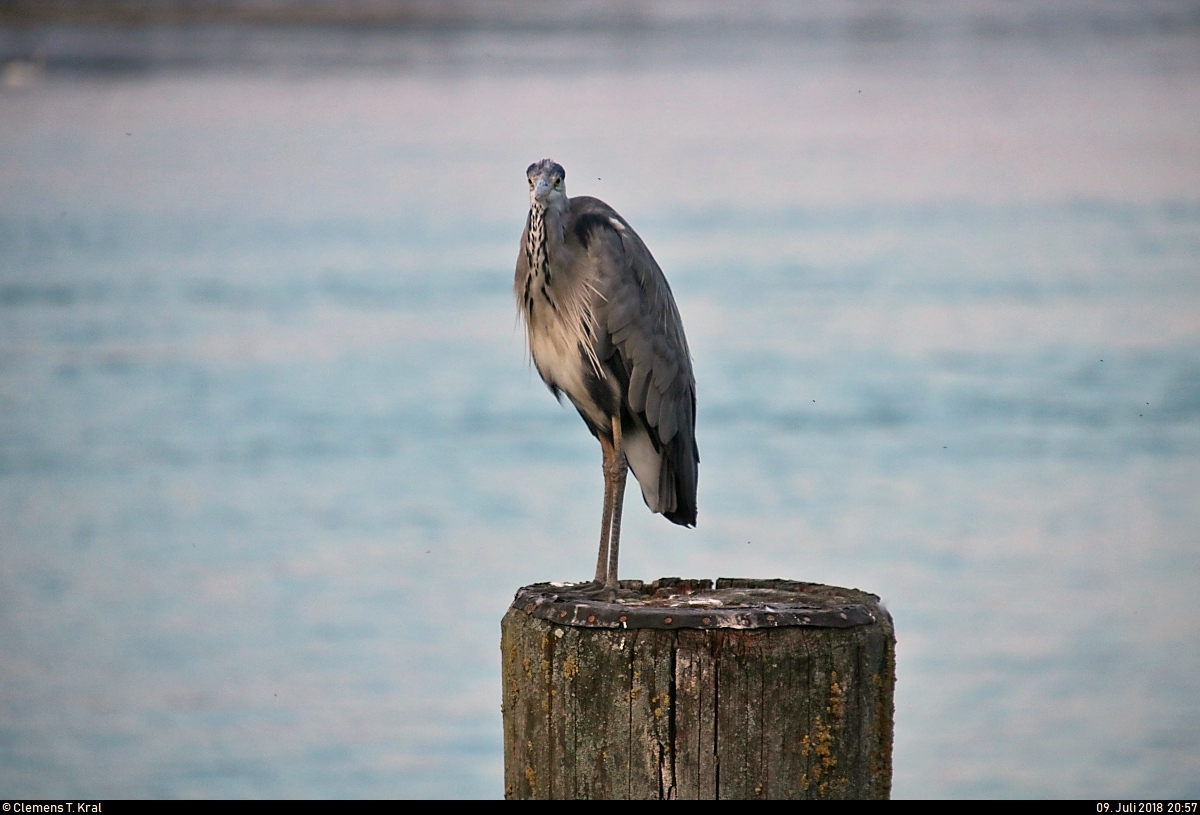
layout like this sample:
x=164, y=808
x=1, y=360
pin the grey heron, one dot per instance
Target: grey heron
x=604, y=330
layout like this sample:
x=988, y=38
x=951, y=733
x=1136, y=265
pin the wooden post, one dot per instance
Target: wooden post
x=754, y=689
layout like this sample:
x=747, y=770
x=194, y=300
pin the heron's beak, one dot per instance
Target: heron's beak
x=541, y=189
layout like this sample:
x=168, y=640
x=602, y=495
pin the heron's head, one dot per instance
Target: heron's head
x=547, y=184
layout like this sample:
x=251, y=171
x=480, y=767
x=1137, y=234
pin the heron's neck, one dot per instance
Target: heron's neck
x=536, y=248
x=546, y=245
x=545, y=256
x=557, y=306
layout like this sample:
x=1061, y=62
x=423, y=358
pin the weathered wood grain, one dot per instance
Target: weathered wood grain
x=651, y=758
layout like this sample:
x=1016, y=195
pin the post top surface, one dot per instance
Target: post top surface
x=672, y=602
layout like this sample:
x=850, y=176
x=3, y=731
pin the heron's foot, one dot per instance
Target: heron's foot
x=596, y=590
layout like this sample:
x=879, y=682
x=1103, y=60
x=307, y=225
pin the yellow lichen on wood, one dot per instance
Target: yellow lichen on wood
x=837, y=707
x=822, y=749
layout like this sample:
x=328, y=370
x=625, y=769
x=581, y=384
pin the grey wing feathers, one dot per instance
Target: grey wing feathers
x=638, y=313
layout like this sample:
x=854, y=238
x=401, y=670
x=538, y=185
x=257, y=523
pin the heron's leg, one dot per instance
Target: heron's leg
x=606, y=448
x=620, y=470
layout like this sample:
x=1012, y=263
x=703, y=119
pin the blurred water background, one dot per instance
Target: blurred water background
x=272, y=461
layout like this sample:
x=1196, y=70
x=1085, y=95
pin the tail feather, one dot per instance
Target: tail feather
x=680, y=472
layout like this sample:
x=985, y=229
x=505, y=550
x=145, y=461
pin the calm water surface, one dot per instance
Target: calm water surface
x=272, y=462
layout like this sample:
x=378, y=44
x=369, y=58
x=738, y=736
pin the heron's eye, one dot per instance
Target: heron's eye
x=557, y=182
